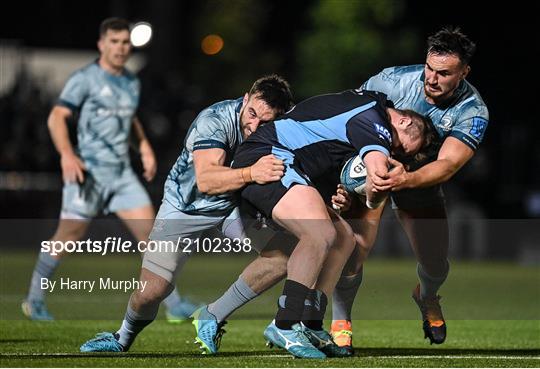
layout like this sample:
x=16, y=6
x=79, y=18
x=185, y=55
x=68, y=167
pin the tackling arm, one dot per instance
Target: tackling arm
x=213, y=178
x=452, y=156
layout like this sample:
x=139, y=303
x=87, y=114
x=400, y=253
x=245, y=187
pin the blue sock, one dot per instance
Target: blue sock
x=44, y=268
x=173, y=299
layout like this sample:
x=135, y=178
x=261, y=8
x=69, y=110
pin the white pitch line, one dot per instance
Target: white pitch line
x=505, y=357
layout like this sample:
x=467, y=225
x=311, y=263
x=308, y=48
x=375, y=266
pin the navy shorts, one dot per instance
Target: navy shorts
x=265, y=197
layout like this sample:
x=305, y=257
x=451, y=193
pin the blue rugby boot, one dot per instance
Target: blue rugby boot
x=295, y=341
x=36, y=310
x=209, y=331
x=103, y=342
x=324, y=342
x=182, y=311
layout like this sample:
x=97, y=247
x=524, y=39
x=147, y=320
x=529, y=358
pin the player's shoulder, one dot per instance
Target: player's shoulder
x=87, y=71
x=223, y=108
x=471, y=103
x=222, y=113
x=411, y=72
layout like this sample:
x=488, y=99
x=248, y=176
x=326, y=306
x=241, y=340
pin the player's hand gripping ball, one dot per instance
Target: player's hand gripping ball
x=353, y=175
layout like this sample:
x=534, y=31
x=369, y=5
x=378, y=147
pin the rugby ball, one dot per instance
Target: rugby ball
x=353, y=175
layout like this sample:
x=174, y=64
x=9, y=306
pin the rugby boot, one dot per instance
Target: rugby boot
x=433, y=321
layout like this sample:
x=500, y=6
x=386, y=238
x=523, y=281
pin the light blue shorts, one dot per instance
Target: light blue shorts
x=172, y=225
x=103, y=190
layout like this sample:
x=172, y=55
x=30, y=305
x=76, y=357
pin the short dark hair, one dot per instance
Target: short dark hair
x=450, y=40
x=275, y=91
x=422, y=126
x=114, y=23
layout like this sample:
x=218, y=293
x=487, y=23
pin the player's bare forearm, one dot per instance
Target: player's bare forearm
x=138, y=136
x=432, y=174
x=59, y=131
x=140, y=143
x=452, y=156
x=72, y=166
x=217, y=180
x=377, y=168
x=214, y=178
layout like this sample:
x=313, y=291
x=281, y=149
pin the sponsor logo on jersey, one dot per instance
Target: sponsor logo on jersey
x=478, y=128
x=382, y=131
x=121, y=112
x=106, y=91
x=446, y=123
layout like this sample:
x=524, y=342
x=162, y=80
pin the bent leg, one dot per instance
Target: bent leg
x=143, y=306
x=302, y=212
x=365, y=226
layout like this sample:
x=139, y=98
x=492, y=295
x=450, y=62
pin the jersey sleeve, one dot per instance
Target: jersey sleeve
x=210, y=132
x=75, y=92
x=472, y=126
x=385, y=82
x=368, y=132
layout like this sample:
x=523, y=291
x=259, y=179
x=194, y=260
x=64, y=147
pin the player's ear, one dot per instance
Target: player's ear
x=100, y=45
x=405, y=121
x=466, y=71
x=246, y=99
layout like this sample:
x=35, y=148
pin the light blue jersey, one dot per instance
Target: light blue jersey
x=217, y=126
x=465, y=117
x=106, y=104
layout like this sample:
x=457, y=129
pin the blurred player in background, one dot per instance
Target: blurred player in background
x=98, y=176
x=439, y=90
x=199, y=195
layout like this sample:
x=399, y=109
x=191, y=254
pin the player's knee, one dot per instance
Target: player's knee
x=152, y=294
x=323, y=238
x=68, y=235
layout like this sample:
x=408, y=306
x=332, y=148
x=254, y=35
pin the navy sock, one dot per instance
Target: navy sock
x=291, y=304
x=314, y=310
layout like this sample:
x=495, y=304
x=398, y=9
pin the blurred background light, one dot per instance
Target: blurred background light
x=141, y=34
x=212, y=44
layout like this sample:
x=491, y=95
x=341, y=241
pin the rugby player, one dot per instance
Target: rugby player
x=98, y=176
x=439, y=90
x=199, y=195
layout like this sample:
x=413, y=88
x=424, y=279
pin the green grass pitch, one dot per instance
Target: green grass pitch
x=492, y=312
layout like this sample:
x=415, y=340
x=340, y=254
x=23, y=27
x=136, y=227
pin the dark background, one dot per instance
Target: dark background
x=319, y=46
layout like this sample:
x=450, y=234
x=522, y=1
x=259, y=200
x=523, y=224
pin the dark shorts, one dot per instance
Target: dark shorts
x=265, y=197
x=417, y=198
